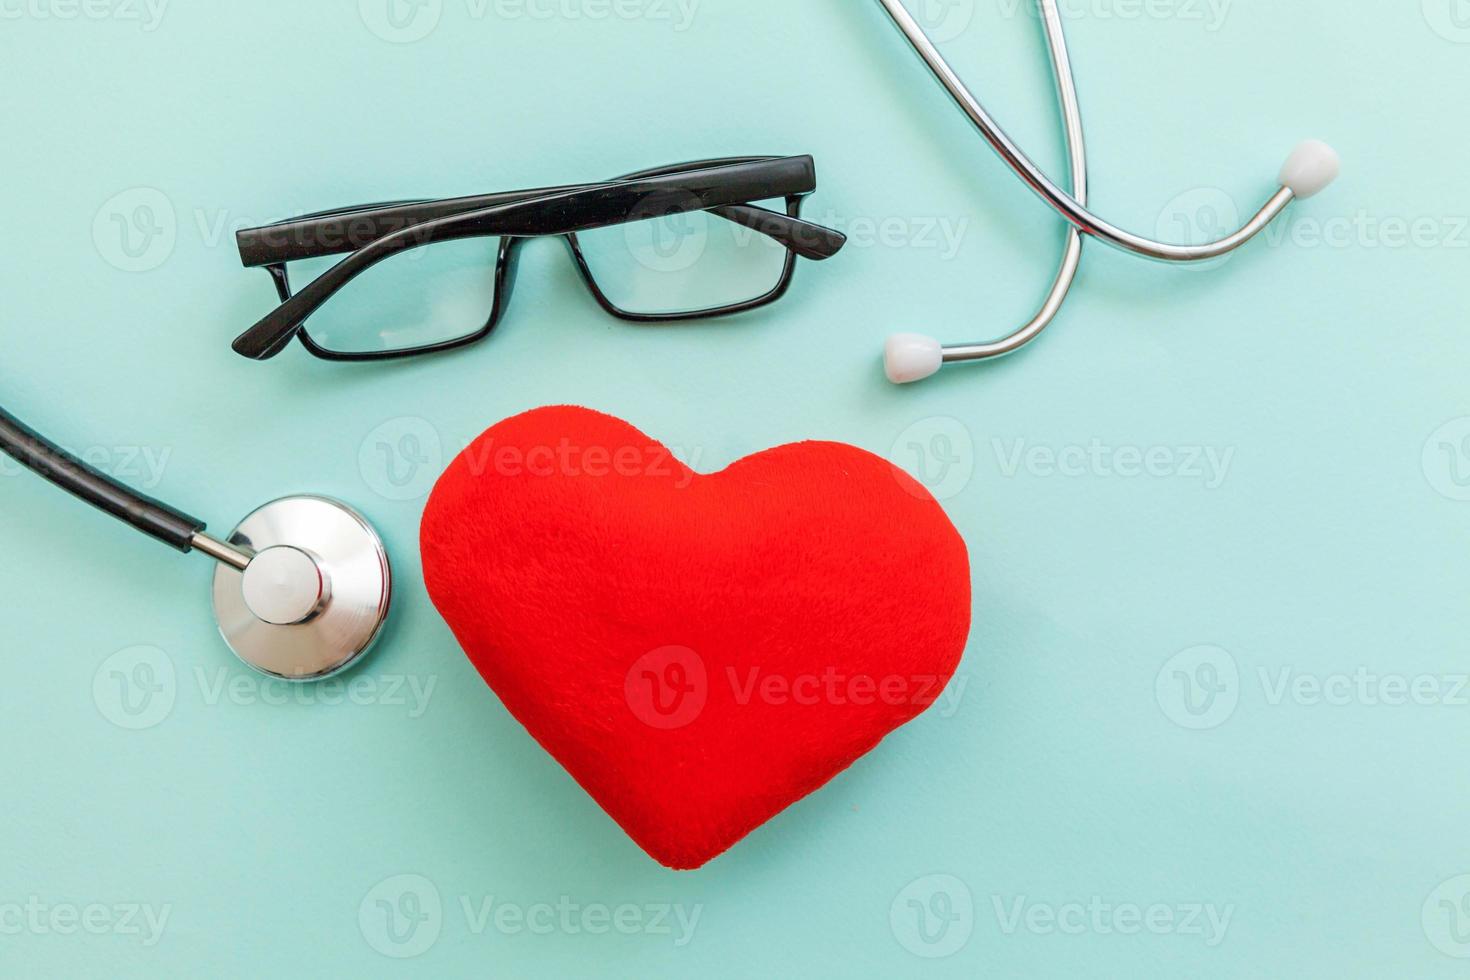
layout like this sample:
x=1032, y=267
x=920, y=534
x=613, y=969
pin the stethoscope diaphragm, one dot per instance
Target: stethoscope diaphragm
x=303, y=586
x=316, y=594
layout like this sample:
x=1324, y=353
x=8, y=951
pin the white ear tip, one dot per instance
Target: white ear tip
x=1310, y=168
x=909, y=357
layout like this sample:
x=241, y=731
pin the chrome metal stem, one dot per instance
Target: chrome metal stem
x=1066, y=205
x=226, y=554
x=1066, y=85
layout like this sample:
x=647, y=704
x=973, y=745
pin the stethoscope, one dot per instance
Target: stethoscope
x=303, y=585
x=908, y=357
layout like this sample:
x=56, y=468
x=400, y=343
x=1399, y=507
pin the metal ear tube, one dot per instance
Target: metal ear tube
x=909, y=357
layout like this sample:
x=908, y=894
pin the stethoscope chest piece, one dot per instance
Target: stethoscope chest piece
x=315, y=595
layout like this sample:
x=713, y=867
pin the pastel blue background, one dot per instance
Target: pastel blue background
x=1121, y=737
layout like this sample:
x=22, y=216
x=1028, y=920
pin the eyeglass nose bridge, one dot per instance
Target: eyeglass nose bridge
x=507, y=270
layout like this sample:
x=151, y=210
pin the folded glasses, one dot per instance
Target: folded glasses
x=701, y=239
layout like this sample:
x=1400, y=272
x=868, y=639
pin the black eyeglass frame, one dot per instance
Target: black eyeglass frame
x=368, y=234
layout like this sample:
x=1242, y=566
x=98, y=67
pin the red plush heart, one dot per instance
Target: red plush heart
x=699, y=651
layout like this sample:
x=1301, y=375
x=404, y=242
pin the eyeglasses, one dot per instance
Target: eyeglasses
x=694, y=240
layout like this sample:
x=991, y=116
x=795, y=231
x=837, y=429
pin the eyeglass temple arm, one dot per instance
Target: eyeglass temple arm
x=1311, y=167
x=344, y=230
x=805, y=238
x=555, y=214
x=337, y=233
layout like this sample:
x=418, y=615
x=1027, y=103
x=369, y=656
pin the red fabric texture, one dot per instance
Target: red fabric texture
x=698, y=651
